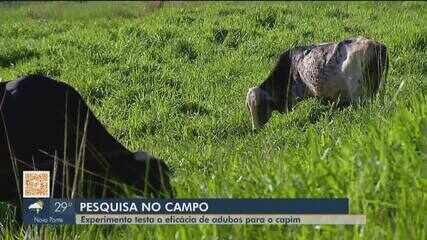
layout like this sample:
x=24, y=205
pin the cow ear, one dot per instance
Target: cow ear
x=148, y=159
x=142, y=156
x=139, y=156
x=251, y=104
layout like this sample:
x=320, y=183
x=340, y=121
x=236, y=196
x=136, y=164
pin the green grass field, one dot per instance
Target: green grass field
x=173, y=81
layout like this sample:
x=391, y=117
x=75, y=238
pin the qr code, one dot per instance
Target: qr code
x=36, y=184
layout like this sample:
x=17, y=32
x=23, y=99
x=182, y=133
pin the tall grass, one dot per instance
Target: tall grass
x=174, y=82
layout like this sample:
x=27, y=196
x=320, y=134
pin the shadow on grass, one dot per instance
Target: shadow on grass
x=193, y=109
x=9, y=60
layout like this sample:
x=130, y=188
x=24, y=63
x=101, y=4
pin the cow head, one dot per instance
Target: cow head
x=152, y=175
x=260, y=105
x=272, y=94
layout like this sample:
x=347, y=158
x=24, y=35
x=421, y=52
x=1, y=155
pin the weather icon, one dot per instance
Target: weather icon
x=37, y=206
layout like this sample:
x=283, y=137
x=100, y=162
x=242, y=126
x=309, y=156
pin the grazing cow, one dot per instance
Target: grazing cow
x=46, y=125
x=345, y=71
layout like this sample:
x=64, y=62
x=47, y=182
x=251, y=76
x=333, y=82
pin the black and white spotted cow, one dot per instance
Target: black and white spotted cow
x=46, y=125
x=346, y=71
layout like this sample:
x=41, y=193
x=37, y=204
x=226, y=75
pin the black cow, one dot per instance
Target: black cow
x=346, y=71
x=46, y=125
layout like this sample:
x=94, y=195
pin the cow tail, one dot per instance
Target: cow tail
x=378, y=69
x=384, y=76
x=385, y=71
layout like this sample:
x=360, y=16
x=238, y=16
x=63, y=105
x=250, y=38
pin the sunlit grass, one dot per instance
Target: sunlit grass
x=173, y=82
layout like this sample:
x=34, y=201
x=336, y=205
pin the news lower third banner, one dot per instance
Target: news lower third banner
x=188, y=211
